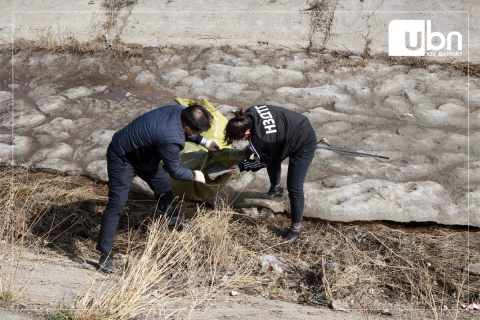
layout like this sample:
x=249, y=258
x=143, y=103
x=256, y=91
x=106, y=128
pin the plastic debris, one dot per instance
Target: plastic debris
x=249, y=211
x=472, y=306
x=270, y=262
x=234, y=293
x=473, y=268
x=321, y=302
x=159, y=288
x=340, y=306
x=120, y=256
x=361, y=239
x=128, y=94
x=333, y=265
x=225, y=278
x=23, y=305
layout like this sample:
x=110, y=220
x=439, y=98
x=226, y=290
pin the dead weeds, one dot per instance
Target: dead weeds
x=48, y=41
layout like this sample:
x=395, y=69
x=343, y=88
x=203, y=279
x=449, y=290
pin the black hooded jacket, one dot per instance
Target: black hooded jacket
x=275, y=134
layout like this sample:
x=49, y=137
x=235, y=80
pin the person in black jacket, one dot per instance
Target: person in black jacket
x=137, y=149
x=274, y=134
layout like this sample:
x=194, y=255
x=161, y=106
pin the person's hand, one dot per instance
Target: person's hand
x=236, y=171
x=212, y=146
x=247, y=151
x=199, y=177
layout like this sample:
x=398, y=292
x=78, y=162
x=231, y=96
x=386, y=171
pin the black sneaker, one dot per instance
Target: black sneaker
x=275, y=192
x=179, y=224
x=106, y=263
x=291, y=237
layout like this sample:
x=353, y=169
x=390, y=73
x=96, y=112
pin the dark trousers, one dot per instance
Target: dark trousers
x=120, y=176
x=299, y=161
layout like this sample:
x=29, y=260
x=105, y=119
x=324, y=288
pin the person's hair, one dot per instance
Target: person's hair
x=197, y=118
x=236, y=127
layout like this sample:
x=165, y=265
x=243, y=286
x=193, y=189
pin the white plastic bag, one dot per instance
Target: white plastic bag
x=270, y=262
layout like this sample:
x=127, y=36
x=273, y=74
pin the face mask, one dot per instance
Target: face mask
x=193, y=136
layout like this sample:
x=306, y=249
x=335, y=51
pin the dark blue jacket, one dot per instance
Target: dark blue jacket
x=154, y=136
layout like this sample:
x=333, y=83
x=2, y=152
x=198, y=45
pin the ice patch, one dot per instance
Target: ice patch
x=335, y=127
x=135, y=69
x=59, y=166
x=94, y=147
x=18, y=147
x=381, y=200
x=5, y=95
x=227, y=90
x=314, y=97
x=100, y=88
x=192, y=82
x=42, y=91
x=145, y=78
x=59, y=151
x=98, y=170
x=173, y=76
x=77, y=92
x=24, y=120
x=446, y=115
x=51, y=105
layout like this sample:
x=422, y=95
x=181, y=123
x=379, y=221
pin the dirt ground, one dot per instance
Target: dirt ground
x=56, y=279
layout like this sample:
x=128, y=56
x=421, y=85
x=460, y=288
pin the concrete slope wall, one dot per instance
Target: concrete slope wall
x=359, y=27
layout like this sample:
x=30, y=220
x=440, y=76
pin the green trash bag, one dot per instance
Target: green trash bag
x=196, y=157
x=216, y=132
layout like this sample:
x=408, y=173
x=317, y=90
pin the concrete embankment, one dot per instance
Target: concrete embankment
x=357, y=27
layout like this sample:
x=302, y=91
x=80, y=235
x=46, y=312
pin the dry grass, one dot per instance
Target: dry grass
x=340, y=59
x=67, y=42
x=12, y=229
x=182, y=264
x=378, y=266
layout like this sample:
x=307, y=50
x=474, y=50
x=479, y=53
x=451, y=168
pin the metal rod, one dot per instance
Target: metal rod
x=365, y=154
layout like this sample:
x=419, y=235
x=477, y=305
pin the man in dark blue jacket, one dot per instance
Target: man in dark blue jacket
x=136, y=150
